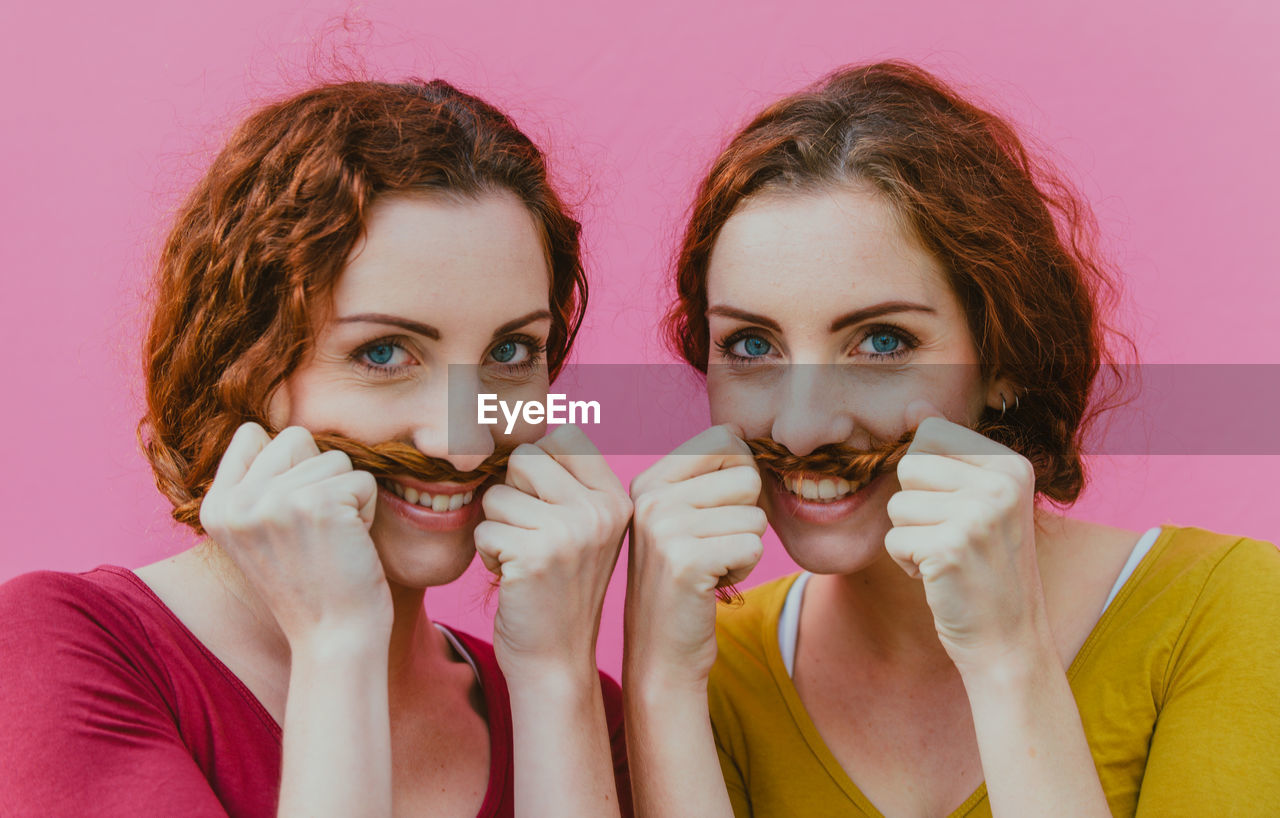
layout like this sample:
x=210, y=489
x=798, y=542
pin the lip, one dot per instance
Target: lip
x=426, y=519
x=809, y=511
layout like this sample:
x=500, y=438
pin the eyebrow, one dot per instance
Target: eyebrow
x=425, y=330
x=848, y=319
x=517, y=323
x=875, y=311
x=428, y=331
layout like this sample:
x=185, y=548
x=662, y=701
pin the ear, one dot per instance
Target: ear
x=1001, y=394
x=279, y=407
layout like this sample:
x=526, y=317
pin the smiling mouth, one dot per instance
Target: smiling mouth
x=818, y=489
x=439, y=502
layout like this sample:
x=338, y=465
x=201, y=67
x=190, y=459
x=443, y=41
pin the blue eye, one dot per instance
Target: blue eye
x=753, y=346
x=504, y=352
x=884, y=343
x=381, y=354
x=385, y=358
x=520, y=353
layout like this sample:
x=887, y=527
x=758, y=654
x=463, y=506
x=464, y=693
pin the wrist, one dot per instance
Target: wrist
x=1012, y=675
x=339, y=645
x=654, y=683
x=547, y=676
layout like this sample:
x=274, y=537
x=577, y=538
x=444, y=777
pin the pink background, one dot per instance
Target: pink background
x=1163, y=112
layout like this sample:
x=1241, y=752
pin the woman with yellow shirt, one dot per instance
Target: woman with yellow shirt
x=900, y=319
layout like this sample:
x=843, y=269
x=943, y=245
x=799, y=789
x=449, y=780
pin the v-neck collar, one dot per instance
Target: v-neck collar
x=804, y=723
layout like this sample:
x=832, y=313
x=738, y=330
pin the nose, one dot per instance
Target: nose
x=811, y=409
x=447, y=427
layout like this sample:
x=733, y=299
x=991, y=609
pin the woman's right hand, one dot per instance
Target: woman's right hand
x=695, y=527
x=296, y=523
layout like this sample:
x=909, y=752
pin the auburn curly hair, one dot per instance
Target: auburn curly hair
x=258, y=245
x=1017, y=243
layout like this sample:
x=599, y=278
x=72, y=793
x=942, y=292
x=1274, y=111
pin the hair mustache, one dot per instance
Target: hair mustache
x=832, y=459
x=397, y=459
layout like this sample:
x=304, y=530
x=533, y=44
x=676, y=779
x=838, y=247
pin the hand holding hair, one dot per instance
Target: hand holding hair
x=964, y=525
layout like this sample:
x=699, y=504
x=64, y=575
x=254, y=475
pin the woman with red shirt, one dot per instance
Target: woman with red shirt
x=344, y=249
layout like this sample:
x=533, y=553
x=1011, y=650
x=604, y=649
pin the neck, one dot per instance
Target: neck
x=881, y=612
x=877, y=611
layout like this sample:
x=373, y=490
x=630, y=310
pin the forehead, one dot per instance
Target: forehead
x=820, y=251
x=439, y=257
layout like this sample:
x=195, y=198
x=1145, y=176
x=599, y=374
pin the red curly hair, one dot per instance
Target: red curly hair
x=1018, y=244
x=257, y=247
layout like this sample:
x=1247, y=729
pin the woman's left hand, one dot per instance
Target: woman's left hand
x=964, y=524
x=551, y=534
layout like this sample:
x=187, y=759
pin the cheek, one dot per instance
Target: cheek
x=959, y=394
x=747, y=405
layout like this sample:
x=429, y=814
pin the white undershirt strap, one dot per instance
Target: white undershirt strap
x=457, y=645
x=789, y=619
x=1139, y=551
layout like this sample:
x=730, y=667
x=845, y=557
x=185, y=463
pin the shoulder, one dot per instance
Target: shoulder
x=1235, y=572
x=1221, y=594
x=41, y=605
x=1201, y=559
x=65, y=628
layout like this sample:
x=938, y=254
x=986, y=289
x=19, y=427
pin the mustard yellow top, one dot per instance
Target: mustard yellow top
x=1178, y=687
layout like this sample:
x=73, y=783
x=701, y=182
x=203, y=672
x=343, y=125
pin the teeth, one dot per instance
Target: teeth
x=439, y=502
x=809, y=490
x=822, y=489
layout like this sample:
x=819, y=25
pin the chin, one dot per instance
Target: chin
x=416, y=558
x=840, y=537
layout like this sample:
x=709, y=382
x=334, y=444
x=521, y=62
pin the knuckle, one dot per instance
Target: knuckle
x=1024, y=471
x=909, y=466
x=664, y=527
x=719, y=437
x=647, y=506
x=491, y=500
x=1004, y=489
x=930, y=428
x=751, y=480
x=525, y=450
x=340, y=457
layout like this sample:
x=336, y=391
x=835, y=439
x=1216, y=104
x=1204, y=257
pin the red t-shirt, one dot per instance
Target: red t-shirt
x=110, y=706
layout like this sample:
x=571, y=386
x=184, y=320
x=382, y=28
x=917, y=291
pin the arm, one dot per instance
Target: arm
x=696, y=528
x=337, y=729
x=552, y=534
x=674, y=765
x=296, y=525
x=561, y=736
x=964, y=526
x=1035, y=757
